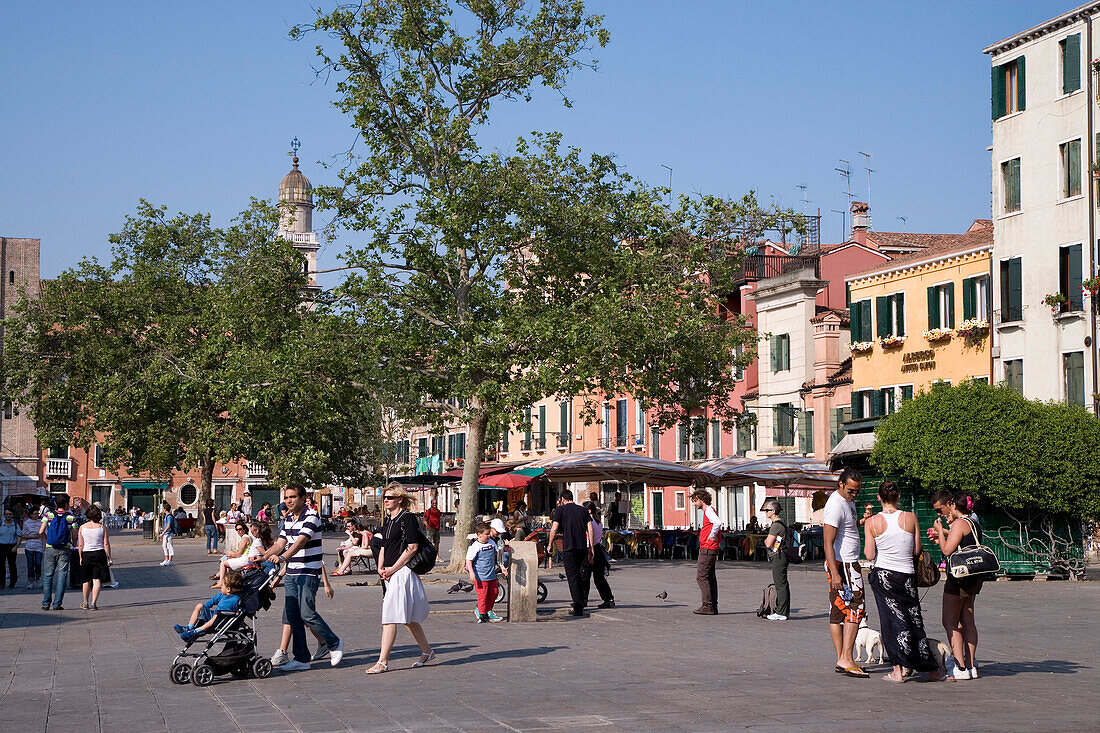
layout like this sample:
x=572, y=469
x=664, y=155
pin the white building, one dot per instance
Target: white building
x=1044, y=109
x=296, y=217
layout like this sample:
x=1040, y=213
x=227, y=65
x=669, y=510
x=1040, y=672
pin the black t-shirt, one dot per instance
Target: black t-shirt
x=397, y=534
x=573, y=522
x=208, y=515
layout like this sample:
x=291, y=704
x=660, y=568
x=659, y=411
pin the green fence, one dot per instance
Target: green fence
x=1020, y=552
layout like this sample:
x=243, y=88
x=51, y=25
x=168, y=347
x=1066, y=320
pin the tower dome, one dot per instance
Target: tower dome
x=296, y=201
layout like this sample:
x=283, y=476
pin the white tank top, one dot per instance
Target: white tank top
x=93, y=537
x=894, y=547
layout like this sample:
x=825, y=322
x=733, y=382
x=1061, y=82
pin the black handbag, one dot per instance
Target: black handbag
x=423, y=560
x=976, y=562
x=928, y=573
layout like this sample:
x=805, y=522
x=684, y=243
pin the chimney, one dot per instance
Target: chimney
x=861, y=219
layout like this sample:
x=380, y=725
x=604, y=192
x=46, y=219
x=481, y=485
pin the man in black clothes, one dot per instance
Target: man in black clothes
x=575, y=525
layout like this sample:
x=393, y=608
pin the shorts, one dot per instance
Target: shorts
x=166, y=543
x=963, y=588
x=851, y=611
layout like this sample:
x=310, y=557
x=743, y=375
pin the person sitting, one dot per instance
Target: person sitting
x=754, y=525
x=360, y=548
x=226, y=601
x=253, y=541
x=351, y=528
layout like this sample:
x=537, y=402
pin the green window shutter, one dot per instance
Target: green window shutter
x=933, y=308
x=950, y=288
x=970, y=299
x=857, y=405
x=907, y=393
x=882, y=313
x=1071, y=63
x=773, y=353
x=865, y=322
x=1015, y=290
x=1021, y=86
x=834, y=428
x=1014, y=170
x=1076, y=297
x=878, y=403
x=997, y=75
x=1073, y=156
x=855, y=320
x=1075, y=378
x=899, y=302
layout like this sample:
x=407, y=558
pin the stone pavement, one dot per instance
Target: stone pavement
x=646, y=665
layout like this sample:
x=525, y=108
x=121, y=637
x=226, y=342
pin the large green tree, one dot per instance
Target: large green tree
x=502, y=277
x=194, y=344
x=990, y=441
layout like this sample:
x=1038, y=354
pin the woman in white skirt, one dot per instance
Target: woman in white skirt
x=404, y=600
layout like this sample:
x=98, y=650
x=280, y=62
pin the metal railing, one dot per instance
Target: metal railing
x=563, y=440
x=759, y=267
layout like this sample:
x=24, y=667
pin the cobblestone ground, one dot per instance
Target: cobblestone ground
x=648, y=664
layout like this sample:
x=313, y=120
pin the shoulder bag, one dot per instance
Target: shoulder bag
x=928, y=573
x=976, y=562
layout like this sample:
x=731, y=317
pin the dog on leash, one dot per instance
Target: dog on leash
x=941, y=653
x=867, y=640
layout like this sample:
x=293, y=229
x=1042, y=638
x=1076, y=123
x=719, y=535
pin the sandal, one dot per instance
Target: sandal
x=379, y=668
x=337, y=572
x=856, y=672
x=424, y=659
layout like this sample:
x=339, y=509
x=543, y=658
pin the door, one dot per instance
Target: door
x=658, y=503
x=142, y=499
x=223, y=498
x=102, y=495
x=736, y=507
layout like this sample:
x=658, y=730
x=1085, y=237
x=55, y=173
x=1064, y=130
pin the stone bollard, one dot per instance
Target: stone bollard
x=523, y=582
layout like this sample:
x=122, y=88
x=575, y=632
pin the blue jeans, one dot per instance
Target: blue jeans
x=34, y=564
x=211, y=536
x=300, y=611
x=55, y=575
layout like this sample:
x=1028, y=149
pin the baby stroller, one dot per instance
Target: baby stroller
x=230, y=645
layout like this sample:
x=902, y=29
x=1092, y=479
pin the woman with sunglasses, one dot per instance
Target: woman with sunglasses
x=778, y=533
x=404, y=600
x=958, y=595
x=241, y=544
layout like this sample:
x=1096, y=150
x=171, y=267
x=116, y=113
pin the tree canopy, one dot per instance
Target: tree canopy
x=500, y=278
x=998, y=446
x=192, y=345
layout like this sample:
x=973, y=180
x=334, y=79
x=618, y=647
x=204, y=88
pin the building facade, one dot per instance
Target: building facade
x=1044, y=148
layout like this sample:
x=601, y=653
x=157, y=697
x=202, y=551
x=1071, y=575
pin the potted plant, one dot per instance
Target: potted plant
x=1055, y=301
x=973, y=329
x=889, y=342
x=861, y=347
x=938, y=334
x=1090, y=286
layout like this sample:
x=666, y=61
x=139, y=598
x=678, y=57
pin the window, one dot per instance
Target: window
x=607, y=425
x=1014, y=374
x=806, y=432
x=11, y=277
x=783, y=424
x=97, y=456
x=715, y=439
x=859, y=321
x=640, y=434
x=1008, y=88
x=564, y=430
x=59, y=452
x=504, y=440
x=620, y=423
x=976, y=297
x=941, y=306
x=1071, y=168
x=1069, y=277
x=188, y=494
x=402, y=452
x=655, y=442
x=837, y=431
x=738, y=368
x=422, y=448
x=1074, y=368
x=528, y=438
x=542, y=428
x=906, y=393
x=698, y=438
x=884, y=402
x=682, y=432
x=891, y=315
x=59, y=488
x=861, y=404
x=437, y=445
x=746, y=438
x=681, y=499
x=1070, y=48
x=456, y=446
x=1012, y=290
x=9, y=411
x=1010, y=185
x=781, y=352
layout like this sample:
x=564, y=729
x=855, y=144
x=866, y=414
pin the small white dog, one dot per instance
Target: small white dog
x=867, y=640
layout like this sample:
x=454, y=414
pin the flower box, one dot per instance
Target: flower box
x=889, y=342
x=861, y=347
x=973, y=328
x=938, y=334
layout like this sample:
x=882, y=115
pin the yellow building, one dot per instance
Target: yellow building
x=921, y=318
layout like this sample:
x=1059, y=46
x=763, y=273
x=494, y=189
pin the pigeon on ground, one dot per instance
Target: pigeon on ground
x=663, y=595
x=455, y=588
x=561, y=577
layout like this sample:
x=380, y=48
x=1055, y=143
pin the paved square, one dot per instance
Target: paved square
x=646, y=665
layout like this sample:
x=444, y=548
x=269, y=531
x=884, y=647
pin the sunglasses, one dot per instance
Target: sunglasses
x=390, y=498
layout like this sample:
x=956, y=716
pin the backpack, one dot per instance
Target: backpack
x=787, y=545
x=57, y=531
x=173, y=524
x=767, y=605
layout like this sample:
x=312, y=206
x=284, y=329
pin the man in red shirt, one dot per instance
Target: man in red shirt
x=710, y=538
x=431, y=519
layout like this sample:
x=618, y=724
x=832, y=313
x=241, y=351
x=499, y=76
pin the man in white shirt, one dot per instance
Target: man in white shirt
x=843, y=572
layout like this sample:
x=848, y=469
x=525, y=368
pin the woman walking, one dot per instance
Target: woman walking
x=958, y=595
x=600, y=566
x=892, y=540
x=94, y=548
x=404, y=600
x=210, y=526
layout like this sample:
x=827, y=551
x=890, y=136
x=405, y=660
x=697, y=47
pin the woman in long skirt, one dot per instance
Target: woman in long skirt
x=404, y=600
x=892, y=541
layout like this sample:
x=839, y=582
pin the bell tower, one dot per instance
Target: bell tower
x=296, y=214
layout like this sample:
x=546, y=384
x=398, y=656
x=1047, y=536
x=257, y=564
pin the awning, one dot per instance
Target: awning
x=486, y=469
x=515, y=480
x=146, y=485
x=602, y=464
x=854, y=443
x=781, y=470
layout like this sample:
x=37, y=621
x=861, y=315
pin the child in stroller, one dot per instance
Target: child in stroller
x=229, y=646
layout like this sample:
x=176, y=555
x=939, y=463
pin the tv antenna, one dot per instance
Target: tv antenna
x=902, y=220
x=843, y=223
x=870, y=170
x=802, y=193
x=669, y=184
x=846, y=174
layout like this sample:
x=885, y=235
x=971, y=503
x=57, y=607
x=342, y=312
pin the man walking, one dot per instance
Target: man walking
x=710, y=537
x=432, y=516
x=299, y=545
x=575, y=525
x=843, y=572
x=56, y=530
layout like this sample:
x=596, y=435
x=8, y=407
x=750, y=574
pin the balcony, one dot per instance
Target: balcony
x=563, y=440
x=255, y=470
x=525, y=444
x=540, y=442
x=637, y=442
x=59, y=467
x=758, y=267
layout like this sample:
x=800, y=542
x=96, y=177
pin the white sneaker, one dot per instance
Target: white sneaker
x=293, y=666
x=973, y=673
x=163, y=563
x=168, y=563
x=776, y=617
x=321, y=653
x=960, y=673
x=336, y=653
x=112, y=585
x=279, y=658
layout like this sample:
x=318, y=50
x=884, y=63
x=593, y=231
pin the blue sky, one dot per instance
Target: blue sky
x=193, y=105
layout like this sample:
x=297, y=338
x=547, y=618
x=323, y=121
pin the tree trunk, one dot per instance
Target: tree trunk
x=206, y=479
x=467, y=504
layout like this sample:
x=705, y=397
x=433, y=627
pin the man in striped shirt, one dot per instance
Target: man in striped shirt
x=299, y=545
